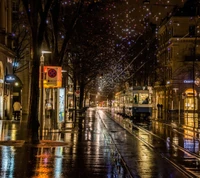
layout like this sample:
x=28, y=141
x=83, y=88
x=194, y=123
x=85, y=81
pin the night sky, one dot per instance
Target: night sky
x=132, y=17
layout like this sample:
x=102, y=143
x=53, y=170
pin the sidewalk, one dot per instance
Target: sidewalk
x=181, y=123
x=52, y=137
x=72, y=152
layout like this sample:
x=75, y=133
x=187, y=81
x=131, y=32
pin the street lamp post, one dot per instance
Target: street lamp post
x=42, y=91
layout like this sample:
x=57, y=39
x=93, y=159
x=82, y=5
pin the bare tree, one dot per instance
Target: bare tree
x=37, y=14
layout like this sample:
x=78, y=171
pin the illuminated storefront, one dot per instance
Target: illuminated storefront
x=190, y=100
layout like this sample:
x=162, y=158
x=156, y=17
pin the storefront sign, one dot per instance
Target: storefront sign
x=9, y=60
x=10, y=78
x=188, y=81
x=13, y=79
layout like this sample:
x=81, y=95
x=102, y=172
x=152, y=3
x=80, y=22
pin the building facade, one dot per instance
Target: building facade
x=178, y=58
x=6, y=59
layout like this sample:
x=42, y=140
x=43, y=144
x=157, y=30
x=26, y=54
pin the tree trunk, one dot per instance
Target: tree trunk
x=37, y=13
x=82, y=88
x=33, y=122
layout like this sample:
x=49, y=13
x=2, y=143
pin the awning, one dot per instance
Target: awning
x=13, y=79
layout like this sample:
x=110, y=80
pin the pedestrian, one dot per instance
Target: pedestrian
x=16, y=108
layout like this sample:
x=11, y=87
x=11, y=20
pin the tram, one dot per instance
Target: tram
x=134, y=103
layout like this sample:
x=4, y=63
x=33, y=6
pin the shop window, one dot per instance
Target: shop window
x=190, y=101
x=144, y=98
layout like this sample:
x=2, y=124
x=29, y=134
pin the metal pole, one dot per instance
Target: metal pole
x=41, y=94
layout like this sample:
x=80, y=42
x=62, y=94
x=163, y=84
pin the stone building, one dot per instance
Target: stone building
x=6, y=58
x=13, y=85
x=178, y=57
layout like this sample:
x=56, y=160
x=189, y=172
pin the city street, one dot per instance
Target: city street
x=100, y=89
x=101, y=148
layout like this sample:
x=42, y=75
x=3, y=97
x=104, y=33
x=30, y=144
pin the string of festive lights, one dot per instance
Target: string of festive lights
x=134, y=21
x=129, y=19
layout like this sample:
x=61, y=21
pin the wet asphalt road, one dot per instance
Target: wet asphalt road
x=97, y=150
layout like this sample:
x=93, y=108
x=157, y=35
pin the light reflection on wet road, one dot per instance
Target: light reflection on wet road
x=89, y=152
x=142, y=160
x=177, y=144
